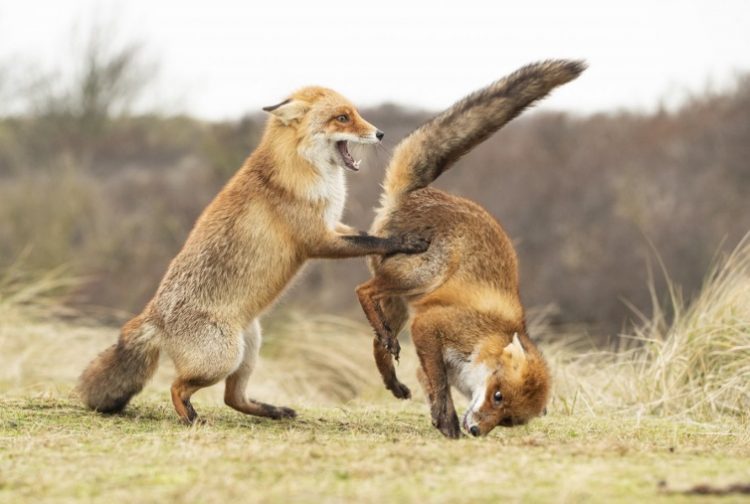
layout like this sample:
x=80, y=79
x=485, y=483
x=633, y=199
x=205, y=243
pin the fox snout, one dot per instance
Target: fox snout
x=367, y=134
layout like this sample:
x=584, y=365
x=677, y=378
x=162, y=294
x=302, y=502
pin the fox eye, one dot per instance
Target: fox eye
x=343, y=118
x=498, y=397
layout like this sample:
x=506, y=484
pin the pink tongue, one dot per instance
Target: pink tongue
x=348, y=159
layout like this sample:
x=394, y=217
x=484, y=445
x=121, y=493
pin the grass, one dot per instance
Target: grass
x=54, y=451
x=649, y=422
x=694, y=364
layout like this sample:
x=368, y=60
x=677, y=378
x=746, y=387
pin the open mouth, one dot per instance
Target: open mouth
x=349, y=161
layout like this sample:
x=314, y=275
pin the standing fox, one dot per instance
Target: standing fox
x=468, y=323
x=281, y=208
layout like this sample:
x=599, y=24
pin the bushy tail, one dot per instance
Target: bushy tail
x=121, y=371
x=431, y=149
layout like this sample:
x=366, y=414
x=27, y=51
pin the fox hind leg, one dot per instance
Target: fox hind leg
x=395, y=277
x=204, y=354
x=369, y=294
x=396, y=314
x=182, y=390
x=236, y=383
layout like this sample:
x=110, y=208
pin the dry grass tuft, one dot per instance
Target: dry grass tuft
x=696, y=366
x=26, y=295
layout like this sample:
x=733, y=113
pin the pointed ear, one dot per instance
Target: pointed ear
x=515, y=350
x=289, y=110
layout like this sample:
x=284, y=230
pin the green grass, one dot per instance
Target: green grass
x=52, y=450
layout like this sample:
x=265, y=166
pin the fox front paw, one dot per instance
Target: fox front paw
x=449, y=428
x=413, y=244
x=445, y=420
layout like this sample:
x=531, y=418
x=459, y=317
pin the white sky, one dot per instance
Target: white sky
x=221, y=59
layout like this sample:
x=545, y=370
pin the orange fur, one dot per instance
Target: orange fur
x=281, y=208
x=467, y=319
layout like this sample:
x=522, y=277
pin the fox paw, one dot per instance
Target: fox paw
x=280, y=412
x=399, y=390
x=450, y=430
x=413, y=244
x=447, y=423
x=196, y=420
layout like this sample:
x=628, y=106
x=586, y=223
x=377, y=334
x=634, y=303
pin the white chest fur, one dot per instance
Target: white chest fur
x=467, y=376
x=331, y=190
x=330, y=187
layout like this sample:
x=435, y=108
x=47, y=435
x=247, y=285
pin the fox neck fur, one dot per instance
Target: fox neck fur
x=305, y=167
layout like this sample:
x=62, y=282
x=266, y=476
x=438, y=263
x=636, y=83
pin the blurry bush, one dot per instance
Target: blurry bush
x=87, y=182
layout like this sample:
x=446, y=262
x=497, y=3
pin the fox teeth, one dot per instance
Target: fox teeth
x=357, y=163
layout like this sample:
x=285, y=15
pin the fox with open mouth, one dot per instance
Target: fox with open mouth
x=282, y=207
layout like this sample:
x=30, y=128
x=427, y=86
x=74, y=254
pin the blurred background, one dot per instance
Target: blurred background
x=119, y=121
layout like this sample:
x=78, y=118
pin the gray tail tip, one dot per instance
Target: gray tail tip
x=554, y=72
x=574, y=68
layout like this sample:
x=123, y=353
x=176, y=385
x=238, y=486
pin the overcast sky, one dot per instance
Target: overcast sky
x=221, y=59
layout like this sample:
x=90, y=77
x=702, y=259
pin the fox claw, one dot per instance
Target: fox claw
x=389, y=341
x=393, y=346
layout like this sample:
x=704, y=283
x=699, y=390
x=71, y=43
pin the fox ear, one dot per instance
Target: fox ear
x=515, y=350
x=289, y=110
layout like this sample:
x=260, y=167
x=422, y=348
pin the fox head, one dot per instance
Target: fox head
x=516, y=388
x=324, y=122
